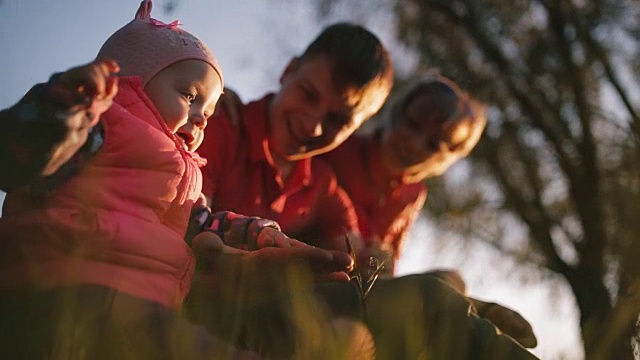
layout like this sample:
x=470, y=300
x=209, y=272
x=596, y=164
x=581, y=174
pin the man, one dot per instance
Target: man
x=263, y=165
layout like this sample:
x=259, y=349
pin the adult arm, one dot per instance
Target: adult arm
x=336, y=220
x=509, y=321
x=40, y=133
x=221, y=136
x=401, y=218
x=419, y=316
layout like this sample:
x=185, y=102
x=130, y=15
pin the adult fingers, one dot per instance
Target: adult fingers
x=323, y=264
x=325, y=261
x=270, y=237
x=342, y=260
x=214, y=254
x=98, y=82
x=338, y=276
x=508, y=321
x=87, y=80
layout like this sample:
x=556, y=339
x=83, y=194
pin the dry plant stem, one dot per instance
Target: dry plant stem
x=364, y=286
x=374, y=277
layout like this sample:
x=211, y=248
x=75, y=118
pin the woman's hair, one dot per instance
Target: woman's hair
x=454, y=105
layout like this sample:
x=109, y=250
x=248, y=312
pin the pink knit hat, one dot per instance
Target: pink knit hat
x=145, y=46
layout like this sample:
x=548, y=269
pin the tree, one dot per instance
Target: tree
x=560, y=157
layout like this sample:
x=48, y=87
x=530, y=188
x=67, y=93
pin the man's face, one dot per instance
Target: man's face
x=311, y=115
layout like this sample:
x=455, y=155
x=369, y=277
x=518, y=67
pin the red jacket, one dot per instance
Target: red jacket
x=120, y=222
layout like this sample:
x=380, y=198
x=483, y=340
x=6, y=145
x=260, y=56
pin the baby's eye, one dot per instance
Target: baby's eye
x=189, y=96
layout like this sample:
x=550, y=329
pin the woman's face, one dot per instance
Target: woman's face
x=422, y=140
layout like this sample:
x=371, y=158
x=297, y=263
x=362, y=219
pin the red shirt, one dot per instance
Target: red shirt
x=240, y=176
x=385, y=213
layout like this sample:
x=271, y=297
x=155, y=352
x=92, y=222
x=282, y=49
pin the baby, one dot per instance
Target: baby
x=115, y=214
x=101, y=179
x=102, y=185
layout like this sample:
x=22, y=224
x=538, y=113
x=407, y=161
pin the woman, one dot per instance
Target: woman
x=428, y=128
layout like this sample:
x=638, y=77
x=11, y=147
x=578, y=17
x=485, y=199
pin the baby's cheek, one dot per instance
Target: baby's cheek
x=197, y=141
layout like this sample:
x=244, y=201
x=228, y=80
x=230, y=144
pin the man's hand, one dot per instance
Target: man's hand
x=272, y=237
x=510, y=322
x=323, y=265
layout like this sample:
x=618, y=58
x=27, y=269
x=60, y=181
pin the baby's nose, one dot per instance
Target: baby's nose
x=199, y=120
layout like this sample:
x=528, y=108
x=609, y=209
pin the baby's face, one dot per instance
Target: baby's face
x=421, y=141
x=185, y=95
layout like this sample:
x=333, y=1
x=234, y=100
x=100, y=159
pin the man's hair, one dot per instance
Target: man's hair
x=359, y=58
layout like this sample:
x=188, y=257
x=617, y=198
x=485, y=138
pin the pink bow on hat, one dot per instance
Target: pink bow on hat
x=143, y=47
x=172, y=25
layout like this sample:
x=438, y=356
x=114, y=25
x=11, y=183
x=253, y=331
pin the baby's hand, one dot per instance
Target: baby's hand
x=239, y=231
x=248, y=232
x=89, y=88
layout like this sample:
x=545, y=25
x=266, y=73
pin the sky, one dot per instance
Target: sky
x=254, y=40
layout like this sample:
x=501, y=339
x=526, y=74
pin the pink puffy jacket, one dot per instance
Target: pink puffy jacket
x=120, y=222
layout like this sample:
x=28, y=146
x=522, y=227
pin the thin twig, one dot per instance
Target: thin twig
x=357, y=277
